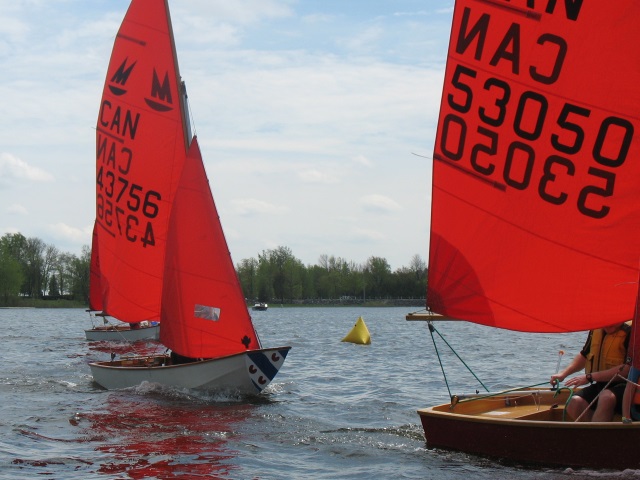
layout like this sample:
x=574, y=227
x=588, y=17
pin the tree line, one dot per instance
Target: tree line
x=277, y=275
x=30, y=268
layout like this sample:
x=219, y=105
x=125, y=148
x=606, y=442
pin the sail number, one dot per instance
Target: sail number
x=609, y=149
x=127, y=207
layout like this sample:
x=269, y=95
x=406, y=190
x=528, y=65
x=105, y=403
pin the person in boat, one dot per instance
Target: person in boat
x=603, y=358
x=177, y=359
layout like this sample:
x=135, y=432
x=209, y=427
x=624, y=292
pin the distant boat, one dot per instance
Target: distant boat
x=260, y=306
x=112, y=329
x=535, y=211
x=122, y=332
x=162, y=251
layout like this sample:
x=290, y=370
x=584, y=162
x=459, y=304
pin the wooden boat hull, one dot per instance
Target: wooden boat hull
x=245, y=373
x=122, y=333
x=530, y=429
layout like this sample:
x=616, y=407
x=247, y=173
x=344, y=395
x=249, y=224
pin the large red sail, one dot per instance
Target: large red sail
x=204, y=313
x=536, y=180
x=140, y=149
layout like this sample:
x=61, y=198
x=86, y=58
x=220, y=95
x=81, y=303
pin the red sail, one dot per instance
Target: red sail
x=140, y=149
x=204, y=314
x=95, y=288
x=536, y=202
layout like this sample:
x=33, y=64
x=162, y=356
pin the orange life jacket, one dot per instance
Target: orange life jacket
x=607, y=351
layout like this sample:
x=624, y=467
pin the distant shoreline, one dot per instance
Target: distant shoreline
x=419, y=303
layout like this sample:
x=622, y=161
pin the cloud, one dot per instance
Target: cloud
x=316, y=176
x=252, y=206
x=240, y=11
x=362, y=160
x=16, y=209
x=366, y=235
x=12, y=167
x=379, y=203
x=70, y=234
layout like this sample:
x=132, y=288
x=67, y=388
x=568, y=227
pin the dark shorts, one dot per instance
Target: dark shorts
x=590, y=392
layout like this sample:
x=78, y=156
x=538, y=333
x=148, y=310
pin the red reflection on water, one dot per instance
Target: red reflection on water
x=145, y=439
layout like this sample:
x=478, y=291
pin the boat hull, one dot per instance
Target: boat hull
x=530, y=431
x=123, y=333
x=246, y=373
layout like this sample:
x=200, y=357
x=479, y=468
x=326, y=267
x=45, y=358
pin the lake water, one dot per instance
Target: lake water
x=335, y=411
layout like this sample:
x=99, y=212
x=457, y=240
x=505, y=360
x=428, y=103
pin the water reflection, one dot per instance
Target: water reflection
x=147, y=437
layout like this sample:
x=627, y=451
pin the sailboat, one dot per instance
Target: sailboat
x=162, y=251
x=535, y=212
x=112, y=330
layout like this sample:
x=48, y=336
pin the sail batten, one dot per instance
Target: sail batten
x=535, y=206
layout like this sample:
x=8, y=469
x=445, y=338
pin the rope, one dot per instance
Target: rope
x=566, y=404
x=495, y=394
x=432, y=329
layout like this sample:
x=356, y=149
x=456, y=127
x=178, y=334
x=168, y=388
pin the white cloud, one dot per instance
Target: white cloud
x=68, y=233
x=367, y=235
x=252, y=206
x=11, y=167
x=316, y=176
x=17, y=209
x=362, y=160
x=379, y=203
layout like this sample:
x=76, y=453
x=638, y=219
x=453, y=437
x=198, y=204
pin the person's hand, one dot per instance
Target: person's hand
x=577, y=381
x=556, y=379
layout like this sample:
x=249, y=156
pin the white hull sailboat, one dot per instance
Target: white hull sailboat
x=112, y=329
x=122, y=333
x=119, y=333
x=160, y=251
x=244, y=373
x=535, y=210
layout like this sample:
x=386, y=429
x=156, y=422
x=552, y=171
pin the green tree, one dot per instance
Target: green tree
x=79, y=273
x=248, y=274
x=11, y=276
x=377, y=273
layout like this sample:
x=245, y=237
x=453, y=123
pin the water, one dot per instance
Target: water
x=335, y=411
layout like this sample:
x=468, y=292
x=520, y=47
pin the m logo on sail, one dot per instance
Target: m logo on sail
x=119, y=79
x=161, y=93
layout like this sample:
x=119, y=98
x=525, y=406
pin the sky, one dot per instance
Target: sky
x=316, y=119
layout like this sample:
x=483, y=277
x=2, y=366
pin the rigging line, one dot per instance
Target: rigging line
x=432, y=329
x=502, y=392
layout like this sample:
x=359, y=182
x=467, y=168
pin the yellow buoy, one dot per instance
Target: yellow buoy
x=359, y=334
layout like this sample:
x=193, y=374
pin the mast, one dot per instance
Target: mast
x=186, y=125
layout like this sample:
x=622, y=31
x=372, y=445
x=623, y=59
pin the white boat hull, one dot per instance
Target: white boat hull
x=245, y=373
x=123, y=334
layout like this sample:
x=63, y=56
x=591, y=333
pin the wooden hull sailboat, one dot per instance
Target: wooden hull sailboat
x=160, y=252
x=535, y=209
x=528, y=427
